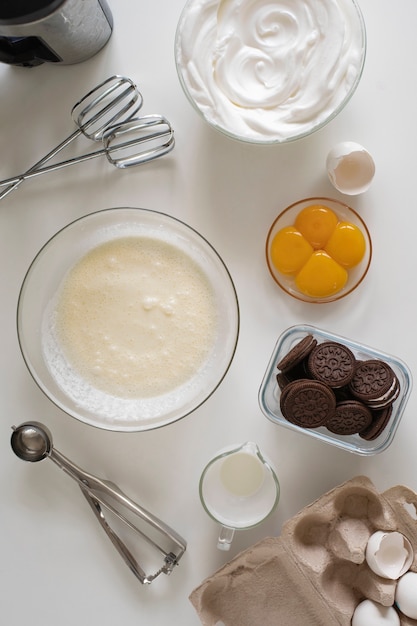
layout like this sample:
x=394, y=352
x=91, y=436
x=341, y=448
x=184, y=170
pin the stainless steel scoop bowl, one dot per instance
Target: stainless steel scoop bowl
x=32, y=441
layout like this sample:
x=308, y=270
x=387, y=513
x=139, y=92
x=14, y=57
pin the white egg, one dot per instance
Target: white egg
x=370, y=613
x=389, y=554
x=406, y=595
x=350, y=168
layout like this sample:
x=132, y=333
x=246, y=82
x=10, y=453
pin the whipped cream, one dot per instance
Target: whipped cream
x=269, y=70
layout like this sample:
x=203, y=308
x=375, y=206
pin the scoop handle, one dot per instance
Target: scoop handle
x=105, y=494
x=13, y=183
x=114, y=538
x=93, y=484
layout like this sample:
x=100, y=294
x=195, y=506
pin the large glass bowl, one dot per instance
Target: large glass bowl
x=269, y=392
x=345, y=214
x=269, y=72
x=58, y=379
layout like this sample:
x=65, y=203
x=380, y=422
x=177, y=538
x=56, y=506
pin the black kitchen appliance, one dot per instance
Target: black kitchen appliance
x=56, y=31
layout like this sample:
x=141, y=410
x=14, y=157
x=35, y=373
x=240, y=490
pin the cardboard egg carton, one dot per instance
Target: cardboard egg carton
x=315, y=572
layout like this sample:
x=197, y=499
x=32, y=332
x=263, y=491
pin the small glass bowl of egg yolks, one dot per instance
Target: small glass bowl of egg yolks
x=318, y=250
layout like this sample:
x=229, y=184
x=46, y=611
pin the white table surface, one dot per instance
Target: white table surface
x=56, y=564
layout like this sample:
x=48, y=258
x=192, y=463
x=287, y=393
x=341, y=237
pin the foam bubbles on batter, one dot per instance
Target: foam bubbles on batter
x=134, y=318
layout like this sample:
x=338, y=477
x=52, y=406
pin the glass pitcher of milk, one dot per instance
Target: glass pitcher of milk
x=238, y=489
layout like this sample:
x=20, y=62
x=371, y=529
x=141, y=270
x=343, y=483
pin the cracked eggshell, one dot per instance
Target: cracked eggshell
x=370, y=613
x=350, y=168
x=406, y=595
x=389, y=554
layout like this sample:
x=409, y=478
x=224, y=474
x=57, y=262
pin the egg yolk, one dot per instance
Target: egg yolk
x=316, y=222
x=289, y=250
x=321, y=276
x=346, y=245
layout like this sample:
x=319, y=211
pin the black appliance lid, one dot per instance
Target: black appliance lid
x=25, y=11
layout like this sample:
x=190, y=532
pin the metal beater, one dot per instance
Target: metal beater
x=114, y=101
x=131, y=143
x=32, y=441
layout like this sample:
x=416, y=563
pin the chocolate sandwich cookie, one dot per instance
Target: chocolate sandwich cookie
x=297, y=354
x=332, y=363
x=379, y=422
x=284, y=392
x=307, y=403
x=295, y=373
x=388, y=398
x=350, y=417
x=342, y=393
x=283, y=380
x=374, y=383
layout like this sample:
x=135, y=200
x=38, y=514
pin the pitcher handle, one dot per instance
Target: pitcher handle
x=225, y=539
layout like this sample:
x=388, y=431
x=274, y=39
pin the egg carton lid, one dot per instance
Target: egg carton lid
x=277, y=581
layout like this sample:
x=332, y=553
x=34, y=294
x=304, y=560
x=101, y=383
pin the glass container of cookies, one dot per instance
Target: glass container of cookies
x=292, y=352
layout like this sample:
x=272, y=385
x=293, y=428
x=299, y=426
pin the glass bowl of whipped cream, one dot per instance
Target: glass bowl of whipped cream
x=128, y=319
x=265, y=72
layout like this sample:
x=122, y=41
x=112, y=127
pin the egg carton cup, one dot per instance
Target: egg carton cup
x=315, y=572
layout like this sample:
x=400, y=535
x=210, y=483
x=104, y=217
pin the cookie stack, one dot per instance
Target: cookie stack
x=323, y=384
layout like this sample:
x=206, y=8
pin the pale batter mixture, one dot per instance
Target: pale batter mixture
x=136, y=317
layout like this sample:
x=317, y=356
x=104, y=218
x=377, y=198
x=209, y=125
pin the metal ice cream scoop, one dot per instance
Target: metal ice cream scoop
x=32, y=441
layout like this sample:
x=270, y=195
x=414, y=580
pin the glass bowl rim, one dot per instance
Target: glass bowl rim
x=274, y=141
x=338, y=295
x=32, y=369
